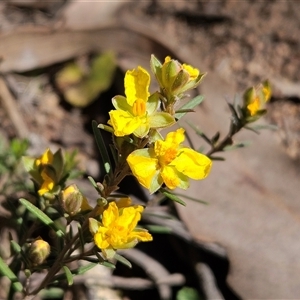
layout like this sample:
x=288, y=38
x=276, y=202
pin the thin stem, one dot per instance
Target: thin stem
x=227, y=140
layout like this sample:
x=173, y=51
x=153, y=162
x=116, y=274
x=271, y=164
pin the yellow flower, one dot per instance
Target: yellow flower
x=137, y=113
x=168, y=162
x=118, y=228
x=45, y=159
x=48, y=182
x=120, y=202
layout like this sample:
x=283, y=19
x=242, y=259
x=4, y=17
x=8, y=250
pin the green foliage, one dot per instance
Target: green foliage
x=12, y=174
x=56, y=226
x=187, y=293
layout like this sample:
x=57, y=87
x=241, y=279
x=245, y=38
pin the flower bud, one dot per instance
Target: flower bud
x=38, y=252
x=254, y=101
x=71, y=200
x=173, y=77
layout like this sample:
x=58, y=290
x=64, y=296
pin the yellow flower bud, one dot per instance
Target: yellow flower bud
x=255, y=99
x=173, y=77
x=38, y=252
x=45, y=159
x=73, y=201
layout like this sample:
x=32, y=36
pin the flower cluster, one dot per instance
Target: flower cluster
x=143, y=115
x=144, y=147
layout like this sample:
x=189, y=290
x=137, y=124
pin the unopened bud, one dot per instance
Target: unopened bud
x=175, y=78
x=71, y=199
x=38, y=252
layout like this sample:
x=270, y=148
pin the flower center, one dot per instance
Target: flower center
x=169, y=155
x=139, y=107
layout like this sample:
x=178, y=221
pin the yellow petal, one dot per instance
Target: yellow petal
x=100, y=238
x=143, y=168
x=46, y=158
x=142, y=236
x=170, y=177
x=130, y=217
x=194, y=73
x=47, y=185
x=110, y=215
x=137, y=83
x=123, y=122
x=254, y=106
x=192, y=163
x=85, y=205
x=175, y=137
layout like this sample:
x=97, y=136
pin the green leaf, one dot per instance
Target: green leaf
x=187, y=293
x=161, y=120
x=6, y=271
x=172, y=196
x=102, y=148
x=69, y=275
x=52, y=293
x=255, y=128
x=189, y=105
x=15, y=247
x=108, y=264
x=237, y=146
x=215, y=138
x=81, y=270
x=123, y=260
x=200, y=133
x=217, y=158
x=158, y=229
x=191, y=198
x=41, y=216
x=28, y=162
x=93, y=225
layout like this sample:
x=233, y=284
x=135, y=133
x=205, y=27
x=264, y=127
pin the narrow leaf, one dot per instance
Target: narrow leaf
x=69, y=275
x=237, y=146
x=123, y=260
x=41, y=216
x=217, y=158
x=15, y=247
x=102, y=147
x=52, y=293
x=200, y=133
x=108, y=264
x=191, y=198
x=81, y=270
x=189, y=105
x=6, y=271
x=172, y=196
x=158, y=229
